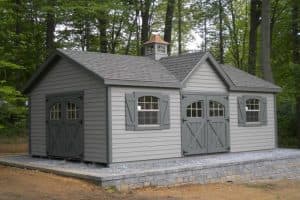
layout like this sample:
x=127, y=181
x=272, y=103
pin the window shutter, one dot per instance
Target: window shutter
x=241, y=111
x=130, y=112
x=263, y=113
x=164, y=112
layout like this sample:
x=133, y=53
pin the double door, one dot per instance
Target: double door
x=204, y=124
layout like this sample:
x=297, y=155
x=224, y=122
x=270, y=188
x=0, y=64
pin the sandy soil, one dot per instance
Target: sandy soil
x=28, y=184
x=13, y=148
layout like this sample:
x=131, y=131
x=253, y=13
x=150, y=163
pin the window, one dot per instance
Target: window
x=148, y=110
x=195, y=109
x=55, y=112
x=216, y=109
x=72, y=112
x=149, y=49
x=161, y=48
x=252, y=110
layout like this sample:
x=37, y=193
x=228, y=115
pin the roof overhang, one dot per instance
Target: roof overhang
x=117, y=82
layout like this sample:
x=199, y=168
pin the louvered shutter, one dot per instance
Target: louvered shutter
x=241, y=111
x=263, y=112
x=164, y=112
x=130, y=112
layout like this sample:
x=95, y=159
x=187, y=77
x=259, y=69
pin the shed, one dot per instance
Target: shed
x=109, y=108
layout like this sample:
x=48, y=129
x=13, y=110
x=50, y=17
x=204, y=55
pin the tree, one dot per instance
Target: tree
x=179, y=8
x=145, y=12
x=168, y=23
x=50, y=26
x=102, y=26
x=221, y=43
x=255, y=13
x=265, y=44
x=295, y=16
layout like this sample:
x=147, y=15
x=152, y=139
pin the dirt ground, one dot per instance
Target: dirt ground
x=28, y=184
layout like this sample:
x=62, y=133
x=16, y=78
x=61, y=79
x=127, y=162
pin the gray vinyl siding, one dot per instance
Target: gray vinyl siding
x=204, y=79
x=65, y=77
x=252, y=137
x=145, y=144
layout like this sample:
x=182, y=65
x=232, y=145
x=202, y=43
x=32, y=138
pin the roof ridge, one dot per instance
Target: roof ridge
x=183, y=54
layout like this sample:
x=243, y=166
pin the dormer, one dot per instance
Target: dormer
x=156, y=47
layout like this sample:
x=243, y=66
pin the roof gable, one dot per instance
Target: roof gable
x=114, y=69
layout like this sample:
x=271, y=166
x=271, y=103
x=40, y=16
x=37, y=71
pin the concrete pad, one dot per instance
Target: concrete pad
x=195, y=169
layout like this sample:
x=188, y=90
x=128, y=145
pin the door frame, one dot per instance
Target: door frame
x=182, y=111
x=63, y=95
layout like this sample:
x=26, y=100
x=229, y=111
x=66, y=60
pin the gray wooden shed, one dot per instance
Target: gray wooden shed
x=109, y=108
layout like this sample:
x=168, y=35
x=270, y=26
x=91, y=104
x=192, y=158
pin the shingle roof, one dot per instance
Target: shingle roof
x=243, y=79
x=181, y=65
x=144, y=71
x=123, y=67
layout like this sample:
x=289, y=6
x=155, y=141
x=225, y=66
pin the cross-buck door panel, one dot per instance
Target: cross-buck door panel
x=204, y=124
x=65, y=126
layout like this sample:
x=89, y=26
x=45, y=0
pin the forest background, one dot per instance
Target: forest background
x=260, y=37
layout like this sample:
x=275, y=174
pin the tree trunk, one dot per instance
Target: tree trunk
x=168, y=23
x=179, y=7
x=50, y=26
x=145, y=8
x=137, y=32
x=265, y=37
x=221, y=45
x=17, y=20
x=255, y=13
x=296, y=58
x=102, y=26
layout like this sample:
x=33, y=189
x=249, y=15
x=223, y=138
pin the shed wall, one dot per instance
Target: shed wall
x=251, y=138
x=66, y=77
x=146, y=144
x=205, y=79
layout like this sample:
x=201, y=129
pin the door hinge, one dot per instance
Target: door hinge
x=184, y=120
x=81, y=121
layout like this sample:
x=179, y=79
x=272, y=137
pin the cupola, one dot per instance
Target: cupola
x=156, y=47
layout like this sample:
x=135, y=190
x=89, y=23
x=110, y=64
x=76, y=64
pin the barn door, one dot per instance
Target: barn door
x=193, y=125
x=204, y=124
x=217, y=124
x=65, y=126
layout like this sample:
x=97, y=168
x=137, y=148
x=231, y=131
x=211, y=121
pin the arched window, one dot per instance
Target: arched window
x=55, y=112
x=72, y=111
x=195, y=109
x=216, y=109
x=252, y=110
x=148, y=110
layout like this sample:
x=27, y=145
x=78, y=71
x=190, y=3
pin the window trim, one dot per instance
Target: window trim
x=262, y=101
x=148, y=110
x=255, y=110
x=143, y=127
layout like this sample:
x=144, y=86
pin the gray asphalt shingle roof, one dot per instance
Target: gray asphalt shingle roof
x=144, y=71
x=122, y=67
x=181, y=65
x=243, y=79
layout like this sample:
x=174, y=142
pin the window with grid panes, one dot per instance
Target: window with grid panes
x=194, y=110
x=216, y=109
x=72, y=111
x=148, y=110
x=252, y=110
x=55, y=112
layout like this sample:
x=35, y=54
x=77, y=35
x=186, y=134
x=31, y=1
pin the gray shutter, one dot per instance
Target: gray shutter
x=164, y=112
x=130, y=112
x=263, y=112
x=241, y=111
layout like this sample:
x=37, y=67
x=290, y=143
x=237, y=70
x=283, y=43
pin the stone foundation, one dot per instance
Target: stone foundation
x=287, y=168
